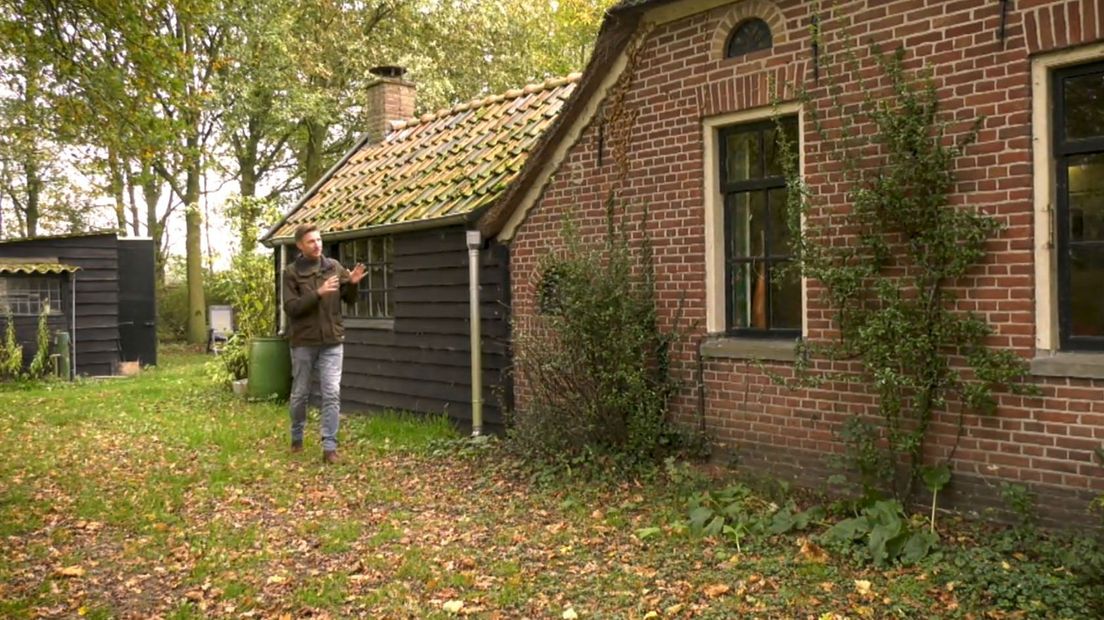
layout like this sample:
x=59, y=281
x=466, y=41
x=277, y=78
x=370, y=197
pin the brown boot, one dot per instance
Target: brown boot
x=329, y=456
x=297, y=446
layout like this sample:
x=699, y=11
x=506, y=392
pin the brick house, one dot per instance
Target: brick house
x=691, y=79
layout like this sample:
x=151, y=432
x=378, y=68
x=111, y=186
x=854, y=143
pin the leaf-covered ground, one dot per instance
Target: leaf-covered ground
x=163, y=496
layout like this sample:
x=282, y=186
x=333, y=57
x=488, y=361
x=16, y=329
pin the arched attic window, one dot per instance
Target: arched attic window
x=749, y=36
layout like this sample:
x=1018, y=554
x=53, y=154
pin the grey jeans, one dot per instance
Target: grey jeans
x=327, y=360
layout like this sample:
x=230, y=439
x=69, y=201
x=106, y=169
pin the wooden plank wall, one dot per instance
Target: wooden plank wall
x=97, y=292
x=423, y=363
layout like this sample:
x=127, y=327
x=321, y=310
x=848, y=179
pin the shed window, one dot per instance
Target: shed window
x=27, y=295
x=377, y=289
x=749, y=36
x=762, y=298
x=1079, y=156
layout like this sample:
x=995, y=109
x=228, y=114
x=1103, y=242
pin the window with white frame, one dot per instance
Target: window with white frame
x=762, y=297
x=376, y=292
x=27, y=295
x=1078, y=151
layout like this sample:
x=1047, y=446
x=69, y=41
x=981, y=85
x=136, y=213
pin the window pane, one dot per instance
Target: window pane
x=780, y=232
x=750, y=36
x=748, y=220
x=376, y=251
x=1086, y=197
x=743, y=157
x=749, y=296
x=1084, y=103
x=775, y=162
x=785, y=297
x=1086, y=309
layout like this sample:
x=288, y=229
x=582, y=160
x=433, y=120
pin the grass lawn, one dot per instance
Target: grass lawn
x=161, y=495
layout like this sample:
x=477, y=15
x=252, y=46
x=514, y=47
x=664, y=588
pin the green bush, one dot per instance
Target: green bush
x=232, y=363
x=11, y=353
x=595, y=363
x=883, y=533
x=1046, y=578
x=248, y=288
x=40, y=363
x=893, y=289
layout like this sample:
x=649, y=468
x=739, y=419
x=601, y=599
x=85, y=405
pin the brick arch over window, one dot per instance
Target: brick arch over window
x=1058, y=26
x=743, y=11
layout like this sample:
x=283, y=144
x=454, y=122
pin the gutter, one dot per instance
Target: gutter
x=73, y=322
x=382, y=229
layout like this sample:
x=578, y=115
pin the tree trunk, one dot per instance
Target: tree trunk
x=34, y=187
x=151, y=193
x=30, y=163
x=312, y=153
x=135, y=221
x=193, y=246
x=116, y=180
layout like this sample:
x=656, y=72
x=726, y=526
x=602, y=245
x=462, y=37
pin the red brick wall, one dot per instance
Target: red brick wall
x=681, y=78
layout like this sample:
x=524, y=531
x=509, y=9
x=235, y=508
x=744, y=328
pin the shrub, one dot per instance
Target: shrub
x=892, y=287
x=11, y=353
x=40, y=363
x=248, y=287
x=596, y=362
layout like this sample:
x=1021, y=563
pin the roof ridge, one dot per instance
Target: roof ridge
x=514, y=93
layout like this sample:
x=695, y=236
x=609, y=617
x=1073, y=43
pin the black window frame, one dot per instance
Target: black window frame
x=728, y=191
x=749, y=45
x=1063, y=150
x=366, y=293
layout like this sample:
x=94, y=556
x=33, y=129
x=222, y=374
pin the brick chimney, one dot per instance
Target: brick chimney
x=390, y=98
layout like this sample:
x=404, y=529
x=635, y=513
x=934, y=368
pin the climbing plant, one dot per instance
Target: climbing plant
x=890, y=265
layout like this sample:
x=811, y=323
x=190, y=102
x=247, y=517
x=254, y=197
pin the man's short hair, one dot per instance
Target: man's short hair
x=303, y=230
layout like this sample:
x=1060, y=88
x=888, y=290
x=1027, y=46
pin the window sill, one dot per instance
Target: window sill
x=765, y=349
x=1087, y=365
x=381, y=324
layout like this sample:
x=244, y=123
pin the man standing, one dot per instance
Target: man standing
x=314, y=287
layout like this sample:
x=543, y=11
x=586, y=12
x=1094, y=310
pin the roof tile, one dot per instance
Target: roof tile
x=445, y=163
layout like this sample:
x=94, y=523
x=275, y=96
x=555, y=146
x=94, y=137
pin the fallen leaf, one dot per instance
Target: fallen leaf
x=569, y=614
x=453, y=607
x=862, y=586
x=673, y=609
x=715, y=590
x=71, y=571
x=812, y=553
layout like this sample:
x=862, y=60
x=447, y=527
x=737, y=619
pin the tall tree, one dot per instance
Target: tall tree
x=461, y=49
x=26, y=129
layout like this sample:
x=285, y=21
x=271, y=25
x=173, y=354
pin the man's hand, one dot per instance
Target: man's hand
x=357, y=274
x=331, y=285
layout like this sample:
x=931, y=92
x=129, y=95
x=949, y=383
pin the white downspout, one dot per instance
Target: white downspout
x=281, y=328
x=73, y=322
x=475, y=242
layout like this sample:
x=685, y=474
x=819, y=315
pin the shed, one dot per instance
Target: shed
x=405, y=202
x=111, y=299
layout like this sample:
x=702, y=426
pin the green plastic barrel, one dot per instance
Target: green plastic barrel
x=61, y=347
x=269, y=368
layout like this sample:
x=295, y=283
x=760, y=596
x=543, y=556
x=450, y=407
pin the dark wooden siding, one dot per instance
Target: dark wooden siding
x=97, y=292
x=424, y=363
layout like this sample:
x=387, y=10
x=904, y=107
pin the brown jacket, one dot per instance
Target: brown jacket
x=315, y=320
